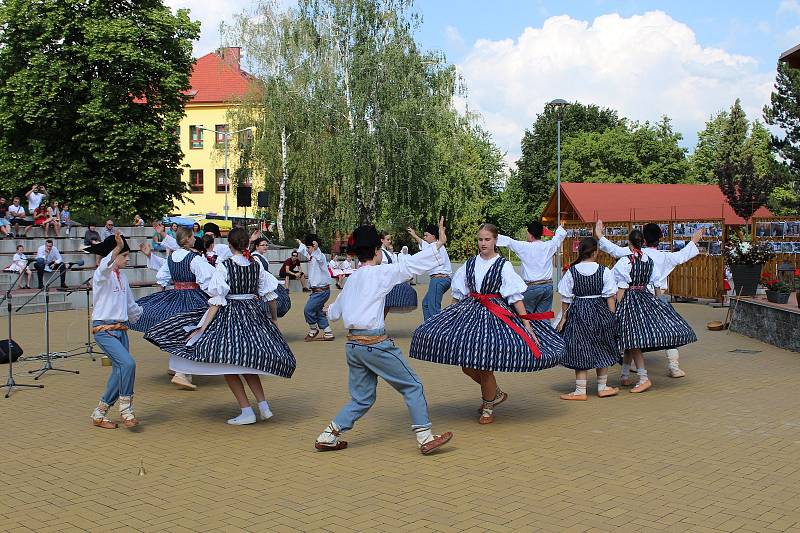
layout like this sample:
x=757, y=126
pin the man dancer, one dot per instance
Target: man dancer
x=440, y=275
x=536, y=256
x=320, y=281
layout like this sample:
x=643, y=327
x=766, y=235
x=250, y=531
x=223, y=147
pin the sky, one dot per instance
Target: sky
x=684, y=59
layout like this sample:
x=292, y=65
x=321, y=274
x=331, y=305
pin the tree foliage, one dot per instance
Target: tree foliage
x=90, y=96
x=357, y=124
x=783, y=111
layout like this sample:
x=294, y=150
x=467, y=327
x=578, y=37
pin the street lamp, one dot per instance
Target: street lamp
x=558, y=105
x=227, y=135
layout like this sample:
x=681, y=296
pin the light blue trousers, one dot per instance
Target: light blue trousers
x=123, y=367
x=432, y=303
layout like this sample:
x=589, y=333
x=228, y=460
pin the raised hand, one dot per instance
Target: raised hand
x=146, y=249
x=698, y=234
x=598, y=229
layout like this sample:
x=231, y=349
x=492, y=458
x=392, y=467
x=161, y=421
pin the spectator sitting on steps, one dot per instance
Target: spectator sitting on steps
x=47, y=258
x=53, y=219
x=91, y=236
x=17, y=218
x=5, y=226
x=35, y=196
x=107, y=230
x=66, y=219
x=20, y=264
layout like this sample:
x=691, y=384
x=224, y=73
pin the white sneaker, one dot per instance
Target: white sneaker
x=243, y=420
x=266, y=414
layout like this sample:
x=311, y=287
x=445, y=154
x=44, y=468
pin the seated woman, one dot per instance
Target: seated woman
x=53, y=219
x=40, y=218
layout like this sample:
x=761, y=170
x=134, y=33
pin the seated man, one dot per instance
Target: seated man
x=48, y=258
x=290, y=269
x=17, y=218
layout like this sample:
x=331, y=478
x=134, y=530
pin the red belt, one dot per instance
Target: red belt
x=505, y=315
x=186, y=285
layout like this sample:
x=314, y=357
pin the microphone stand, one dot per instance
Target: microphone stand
x=48, y=360
x=10, y=382
x=88, y=346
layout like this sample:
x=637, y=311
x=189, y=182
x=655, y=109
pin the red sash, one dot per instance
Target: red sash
x=505, y=315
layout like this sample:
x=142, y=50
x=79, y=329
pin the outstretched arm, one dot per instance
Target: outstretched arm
x=414, y=235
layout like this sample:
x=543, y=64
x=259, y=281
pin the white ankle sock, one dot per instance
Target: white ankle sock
x=423, y=435
x=247, y=411
x=672, y=357
x=642, y=375
x=327, y=436
x=328, y=330
x=626, y=370
x=580, y=387
x=264, y=407
x=601, y=383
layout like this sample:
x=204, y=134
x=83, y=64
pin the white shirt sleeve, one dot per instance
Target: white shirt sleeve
x=205, y=274
x=622, y=273
x=512, y=286
x=458, y=285
x=155, y=262
x=55, y=255
x=134, y=309
x=407, y=266
x=566, y=285
x=335, y=310
x=169, y=242
x=609, y=283
x=558, y=238
x=267, y=283
x=612, y=249
x=507, y=242
x=40, y=253
x=218, y=287
x=103, y=270
x=163, y=276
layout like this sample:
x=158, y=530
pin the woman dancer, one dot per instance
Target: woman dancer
x=481, y=332
x=259, y=247
x=587, y=321
x=402, y=298
x=370, y=354
x=645, y=323
x=235, y=337
x=191, y=275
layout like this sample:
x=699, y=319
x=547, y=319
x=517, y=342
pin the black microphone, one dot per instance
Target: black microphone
x=78, y=263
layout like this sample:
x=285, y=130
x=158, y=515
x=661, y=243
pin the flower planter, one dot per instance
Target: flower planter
x=745, y=279
x=778, y=297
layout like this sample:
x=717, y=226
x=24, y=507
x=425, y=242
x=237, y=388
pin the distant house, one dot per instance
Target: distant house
x=588, y=202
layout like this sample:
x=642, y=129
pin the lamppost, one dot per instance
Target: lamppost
x=226, y=136
x=558, y=105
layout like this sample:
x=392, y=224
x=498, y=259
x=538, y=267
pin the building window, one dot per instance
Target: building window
x=219, y=133
x=245, y=138
x=196, y=180
x=196, y=134
x=244, y=177
x=221, y=180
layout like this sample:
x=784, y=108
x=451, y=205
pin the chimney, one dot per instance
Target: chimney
x=231, y=56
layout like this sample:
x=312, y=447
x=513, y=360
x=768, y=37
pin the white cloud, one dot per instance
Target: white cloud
x=210, y=13
x=454, y=39
x=789, y=6
x=644, y=66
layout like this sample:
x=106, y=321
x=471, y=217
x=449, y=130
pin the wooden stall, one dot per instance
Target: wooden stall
x=783, y=233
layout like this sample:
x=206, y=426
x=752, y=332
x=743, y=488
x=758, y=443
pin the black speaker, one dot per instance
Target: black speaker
x=16, y=351
x=263, y=198
x=244, y=196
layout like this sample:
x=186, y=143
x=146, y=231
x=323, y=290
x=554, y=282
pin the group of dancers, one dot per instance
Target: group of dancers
x=221, y=317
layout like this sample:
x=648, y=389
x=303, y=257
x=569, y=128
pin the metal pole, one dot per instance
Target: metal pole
x=226, y=174
x=559, y=257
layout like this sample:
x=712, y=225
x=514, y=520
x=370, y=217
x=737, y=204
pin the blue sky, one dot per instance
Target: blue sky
x=684, y=59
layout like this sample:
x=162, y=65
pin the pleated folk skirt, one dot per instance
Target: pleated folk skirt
x=284, y=300
x=401, y=299
x=650, y=324
x=241, y=339
x=466, y=334
x=162, y=305
x=590, y=335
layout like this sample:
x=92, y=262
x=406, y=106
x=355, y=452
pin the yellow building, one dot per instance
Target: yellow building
x=217, y=83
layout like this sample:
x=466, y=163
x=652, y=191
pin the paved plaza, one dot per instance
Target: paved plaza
x=716, y=451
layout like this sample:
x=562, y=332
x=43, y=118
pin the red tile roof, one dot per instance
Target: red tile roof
x=587, y=202
x=217, y=77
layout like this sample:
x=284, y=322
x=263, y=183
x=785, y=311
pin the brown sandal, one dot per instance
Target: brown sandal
x=310, y=337
x=438, y=440
x=340, y=445
x=487, y=414
x=104, y=423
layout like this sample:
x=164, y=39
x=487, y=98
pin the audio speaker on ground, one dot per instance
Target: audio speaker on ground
x=16, y=351
x=263, y=199
x=244, y=196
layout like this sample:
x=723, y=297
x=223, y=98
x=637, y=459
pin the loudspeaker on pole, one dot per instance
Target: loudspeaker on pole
x=263, y=199
x=244, y=196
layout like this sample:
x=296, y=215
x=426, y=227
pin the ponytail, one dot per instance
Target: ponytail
x=586, y=248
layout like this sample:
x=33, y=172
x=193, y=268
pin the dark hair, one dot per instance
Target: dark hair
x=383, y=234
x=586, y=248
x=433, y=230
x=652, y=234
x=257, y=242
x=310, y=239
x=238, y=239
x=636, y=238
x=196, y=224
x=49, y=241
x=208, y=240
x=366, y=242
x=491, y=228
x=536, y=229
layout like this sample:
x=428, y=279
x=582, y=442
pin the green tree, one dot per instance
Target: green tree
x=91, y=94
x=783, y=111
x=705, y=159
x=536, y=168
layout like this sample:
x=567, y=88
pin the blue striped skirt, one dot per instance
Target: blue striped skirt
x=284, y=300
x=650, y=324
x=590, y=335
x=162, y=305
x=466, y=334
x=401, y=299
x=241, y=334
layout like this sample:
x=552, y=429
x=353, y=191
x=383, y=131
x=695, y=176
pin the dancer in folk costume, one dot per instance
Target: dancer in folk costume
x=188, y=271
x=536, y=256
x=664, y=264
x=645, y=322
x=113, y=309
x=216, y=252
x=588, y=292
x=402, y=298
x=487, y=330
x=370, y=354
x=439, y=275
x=320, y=282
x=235, y=337
x=258, y=249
